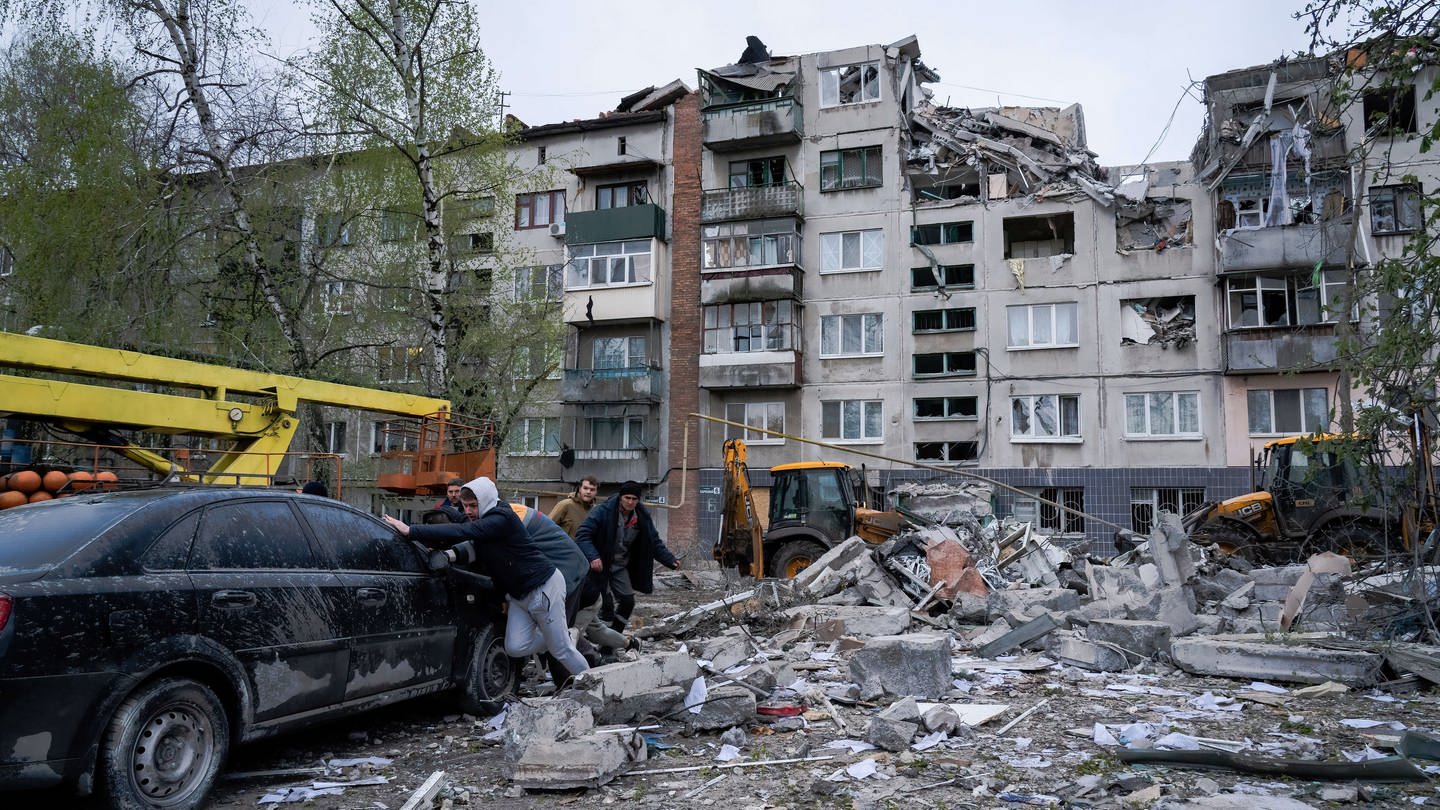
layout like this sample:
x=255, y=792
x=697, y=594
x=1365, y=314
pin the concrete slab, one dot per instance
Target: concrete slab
x=916, y=664
x=1032, y=601
x=1139, y=639
x=862, y=621
x=724, y=707
x=1261, y=660
x=1070, y=648
x=891, y=735
x=587, y=762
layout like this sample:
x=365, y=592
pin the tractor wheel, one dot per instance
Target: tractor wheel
x=1353, y=539
x=1228, y=540
x=794, y=557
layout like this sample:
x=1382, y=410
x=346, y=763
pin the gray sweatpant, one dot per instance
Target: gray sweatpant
x=537, y=624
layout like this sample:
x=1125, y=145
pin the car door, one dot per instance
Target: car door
x=262, y=593
x=402, y=629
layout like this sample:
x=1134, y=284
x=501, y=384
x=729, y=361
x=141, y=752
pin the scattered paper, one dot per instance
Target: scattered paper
x=1359, y=722
x=863, y=769
x=1211, y=702
x=1362, y=756
x=1261, y=686
x=695, y=701
x=291, y=795
x=378, y=762
x=727, y=753
x=930, y=741
x=1319, y=690
x=853, y=746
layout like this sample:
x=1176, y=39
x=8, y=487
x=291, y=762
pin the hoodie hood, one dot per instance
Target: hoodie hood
x=485, y=492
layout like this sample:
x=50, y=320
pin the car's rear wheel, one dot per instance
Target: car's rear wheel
x=492, y=675
x=165, y=746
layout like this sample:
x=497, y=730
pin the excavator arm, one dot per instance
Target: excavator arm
x=742, y=541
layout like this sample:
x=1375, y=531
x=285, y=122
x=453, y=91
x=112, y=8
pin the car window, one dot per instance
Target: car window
x=252, y=534
x=38, y=538
x=168, y=553
x=358, y=543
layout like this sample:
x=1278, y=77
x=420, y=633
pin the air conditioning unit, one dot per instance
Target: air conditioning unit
x=557, y=229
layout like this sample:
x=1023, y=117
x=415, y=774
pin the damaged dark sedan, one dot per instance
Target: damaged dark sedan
x=143, y=633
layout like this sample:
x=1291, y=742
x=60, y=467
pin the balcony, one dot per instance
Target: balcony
x=750, y=370
x=754, y=124
x=615, y=224
x=764, y=284
x=1285, y=247
x=1279, y=350
x=635, y=384
x=752, y=202
x=616, y=465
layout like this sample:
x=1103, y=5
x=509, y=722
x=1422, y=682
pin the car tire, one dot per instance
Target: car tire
x=794, y=557
x=164, y=747
x=491, y=675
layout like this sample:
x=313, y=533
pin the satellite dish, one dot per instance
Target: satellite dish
x=567, y=458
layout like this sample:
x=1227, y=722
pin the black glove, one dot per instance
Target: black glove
x=440, y=560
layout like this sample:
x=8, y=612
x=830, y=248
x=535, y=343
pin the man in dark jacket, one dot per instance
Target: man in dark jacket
x=621, y=533
x=495, y=539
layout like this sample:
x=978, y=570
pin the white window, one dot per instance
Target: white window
x=851, y=84
x=852, y=335
x=756, y=326
x=1288, y=411
x=1162, y=413
x=767, y=415
x=338, y=298
x=849, y=251
x=618, y=352
x=540, y=283
x=618, y=434
x=852, y=420
x=1258, y=301
x=527, y=501
x=609, y=264
x=335, y=438
x=1305, y=299
x=536, y=437
x=1043, y=326
x=842, y=169
x=1045, y=417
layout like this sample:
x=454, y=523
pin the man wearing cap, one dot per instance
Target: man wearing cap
x=622, y=533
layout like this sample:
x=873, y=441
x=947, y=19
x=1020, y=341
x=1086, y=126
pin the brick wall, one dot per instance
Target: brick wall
x=685, y=326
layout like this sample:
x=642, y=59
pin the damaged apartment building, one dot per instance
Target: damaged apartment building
x=960, y=287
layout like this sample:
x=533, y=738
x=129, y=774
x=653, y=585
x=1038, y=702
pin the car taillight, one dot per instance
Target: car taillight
x=5, y=604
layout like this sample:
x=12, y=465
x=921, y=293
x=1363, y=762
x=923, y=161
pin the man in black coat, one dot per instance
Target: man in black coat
x=622, y=533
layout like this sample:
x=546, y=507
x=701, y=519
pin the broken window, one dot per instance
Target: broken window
x=755, y=326
x=1390, y=111
x=945, y=364
x=954, y=319
x=946, y=408
x=852, y=420
x=1304, y=300
x=767, y=415
x=1043, y=326
x=965, y=186
x=1045, y=416
x=1045, y=516
x=852, y=335
x=852, y=250
x=621, y=195
x=851, y=84
x=1162, y=414
x=768, y=171
x=950, y=275
x=1394, y=209
x=608, y=264
x=1168, y=321
x=851, y=168
x=1036, y=237
x=947, y=451
x=1288, y=411
x=943, y=233
x=759, y=243
x=1146, y=503
x=1153, y=224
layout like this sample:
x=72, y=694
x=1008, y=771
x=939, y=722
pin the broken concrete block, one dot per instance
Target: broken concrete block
x=950, y=562
x=727, y=650
x=762, y=676
x=724, y=707
x=833, y=621
x=1218, y=586
x=821, y=577
x=903, y=709
x=1107, y=581
x=545, y=719
x=1274, y=584
x=628, y=690
x=849, y=596
x=941, y=718
x=1174, y=606
x=586, y=762
x=1024, y=634
x=969, y=608
x=1258, y=659
x=997, y=629
x=891, y=735
x=1171, y=549
x=1239, y=599
x=1139, y=639
x=916, y=664
x=1032, y=601
x=1070, y=648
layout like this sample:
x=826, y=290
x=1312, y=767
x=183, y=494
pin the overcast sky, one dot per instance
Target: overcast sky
x=1126, y=63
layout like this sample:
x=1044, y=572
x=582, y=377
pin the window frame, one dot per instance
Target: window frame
x=630, y=350
x=835, y=340
x=775, y=335
x=951, y=362
x=549, y=441
x=949, y=451
x=961, y=314
x=636, y=192
x=951, y=406
x=767, y=167
x=525, y=283
x=525, y=202
x=833, y=161
x=1065, y=405
x=1149, y=409
x=1030, y=310
x=836, y=240
x=830, y=79
x=863, y=416
x=945, y=269
x=634, y=266
x=336, y=436
x=1305, y=417
x=384, y=441
x=766, y=411
x=1409, y=205
x=632, y=432
x=332, y=230
x=388, y=359
x=337, y=298
x=721, y=244
x=1151, y=497
x=959, y=232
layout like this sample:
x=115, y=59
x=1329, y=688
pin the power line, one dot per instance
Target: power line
x=1003, y=92
x=1166, y=131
